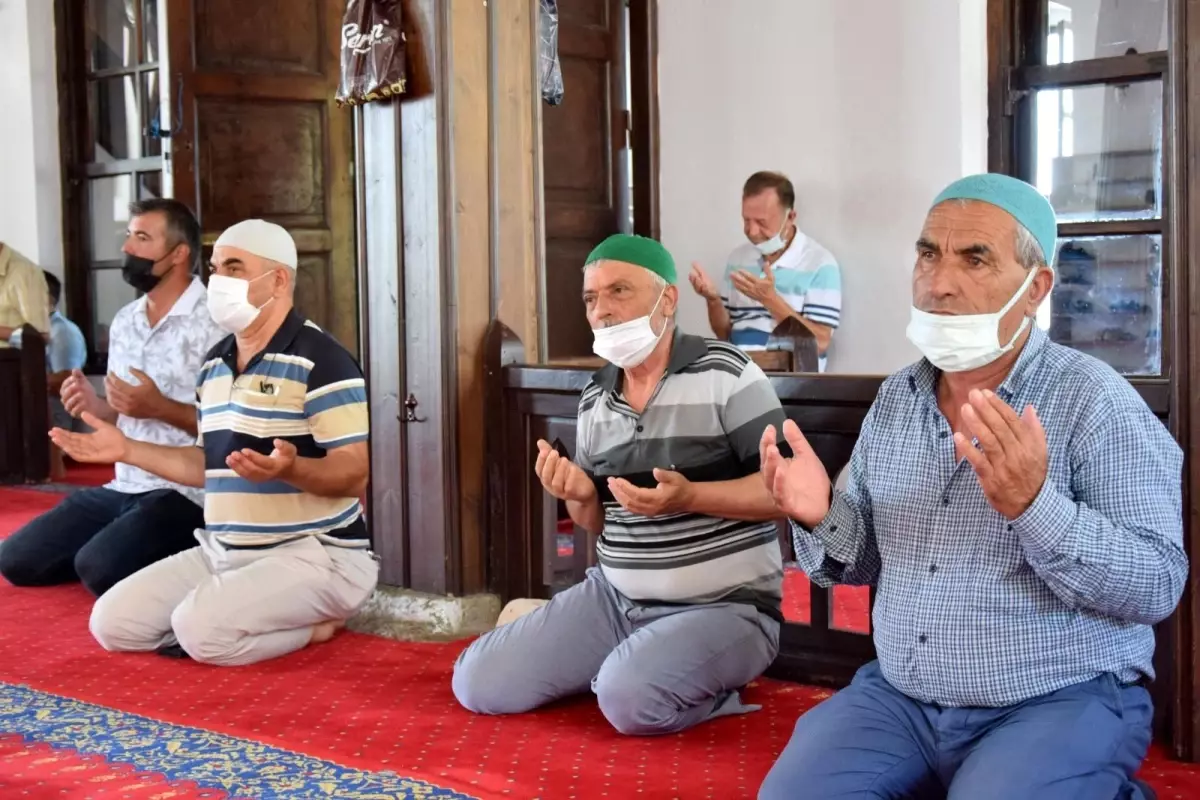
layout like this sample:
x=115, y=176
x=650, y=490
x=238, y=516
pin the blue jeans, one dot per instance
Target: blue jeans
x=871, y=741
x=99, y=537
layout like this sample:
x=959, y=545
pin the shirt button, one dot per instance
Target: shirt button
x=945, y=501
x=943, y=434
x=922, y=638
x=932, y=568
x=833, y=528
x=1010, y=527
x=640, y=429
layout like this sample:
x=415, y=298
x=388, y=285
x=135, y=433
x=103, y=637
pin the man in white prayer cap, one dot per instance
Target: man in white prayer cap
x=283, y=560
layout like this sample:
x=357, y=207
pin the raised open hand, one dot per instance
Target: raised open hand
x=799, y=485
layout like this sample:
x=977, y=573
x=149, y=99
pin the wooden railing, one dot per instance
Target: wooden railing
x=24, y=411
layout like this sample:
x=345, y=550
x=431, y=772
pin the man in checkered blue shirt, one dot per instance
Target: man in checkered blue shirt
x=1018, y=507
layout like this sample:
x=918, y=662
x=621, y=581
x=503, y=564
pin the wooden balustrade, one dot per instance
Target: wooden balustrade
x=24, y=411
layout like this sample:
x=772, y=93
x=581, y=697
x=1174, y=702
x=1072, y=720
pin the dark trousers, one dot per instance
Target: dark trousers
x=100, y=537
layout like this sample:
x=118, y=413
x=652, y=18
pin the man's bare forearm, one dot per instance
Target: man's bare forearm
x=744, y=498
x=588, y=515
x=106, y=412
x=178, y=415
x=332, y=476
x=718, y=318
x=780, y=310
x=183, y=465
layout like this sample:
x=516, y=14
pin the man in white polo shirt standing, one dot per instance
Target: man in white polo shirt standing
x=779, y=273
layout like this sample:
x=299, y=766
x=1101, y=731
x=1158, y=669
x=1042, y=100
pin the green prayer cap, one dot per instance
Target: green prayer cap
x=1025, y=203
x=637, y=250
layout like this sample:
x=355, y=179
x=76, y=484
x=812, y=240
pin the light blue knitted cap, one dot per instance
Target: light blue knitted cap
x=1025, y=203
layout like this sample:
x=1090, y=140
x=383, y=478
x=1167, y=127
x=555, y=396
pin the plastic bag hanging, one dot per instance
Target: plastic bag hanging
x=373, y=52
x=549, y=68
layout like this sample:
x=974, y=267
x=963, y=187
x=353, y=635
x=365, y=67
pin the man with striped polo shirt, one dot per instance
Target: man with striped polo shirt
x=283, y=559
x=684, y=608
x=779, y=273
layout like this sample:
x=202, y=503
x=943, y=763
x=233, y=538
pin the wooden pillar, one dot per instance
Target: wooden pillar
x=448, y=225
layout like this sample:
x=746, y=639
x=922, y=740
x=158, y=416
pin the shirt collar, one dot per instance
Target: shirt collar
x=685, y=350
x=923, y=378
x=184, y=305
x=281, y=341
x=791, y=256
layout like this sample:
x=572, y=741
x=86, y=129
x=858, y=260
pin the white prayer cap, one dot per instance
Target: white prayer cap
x=262, y=239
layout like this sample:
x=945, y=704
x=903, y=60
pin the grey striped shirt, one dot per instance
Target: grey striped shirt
x=704, y=421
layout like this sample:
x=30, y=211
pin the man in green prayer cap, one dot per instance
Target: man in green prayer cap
x=684, y=607
x=1018, y=507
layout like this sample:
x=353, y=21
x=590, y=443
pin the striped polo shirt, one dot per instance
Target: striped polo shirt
x=303, y=388
x=807, y=278
x=704, y=421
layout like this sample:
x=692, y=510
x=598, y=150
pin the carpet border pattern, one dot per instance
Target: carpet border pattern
x=240, y=767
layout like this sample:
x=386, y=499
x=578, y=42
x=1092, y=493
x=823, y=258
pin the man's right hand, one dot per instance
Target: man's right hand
x=702, y=283
x=78, y=396
x=106, y=445
x=561, y=477
x=799, y=485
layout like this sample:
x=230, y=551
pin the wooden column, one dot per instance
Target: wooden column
x=448, y=219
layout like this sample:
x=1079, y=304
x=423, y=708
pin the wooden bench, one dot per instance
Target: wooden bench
x=24, y=411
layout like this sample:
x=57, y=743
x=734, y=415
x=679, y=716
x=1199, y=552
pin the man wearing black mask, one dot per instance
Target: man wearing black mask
x=156, y=347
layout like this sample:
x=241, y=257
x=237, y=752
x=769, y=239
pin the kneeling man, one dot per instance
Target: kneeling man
x=283, y=559
x=684, y=608
x=1018, y=506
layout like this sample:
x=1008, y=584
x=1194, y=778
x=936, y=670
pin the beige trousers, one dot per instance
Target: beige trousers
x=233, y=607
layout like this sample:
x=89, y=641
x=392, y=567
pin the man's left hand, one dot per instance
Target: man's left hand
x=760, y=289
x=141, y=401
x=673, y=494
x=256, y=467
x=1010, y=459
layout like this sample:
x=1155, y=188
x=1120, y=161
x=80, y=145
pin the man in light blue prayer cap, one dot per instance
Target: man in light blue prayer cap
x=1018, y=508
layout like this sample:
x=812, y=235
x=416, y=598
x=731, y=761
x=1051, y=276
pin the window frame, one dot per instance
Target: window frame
x=76, y=146
x=1017, y=34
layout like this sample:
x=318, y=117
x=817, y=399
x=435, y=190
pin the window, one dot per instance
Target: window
x=1084, y=105
x=110, y=62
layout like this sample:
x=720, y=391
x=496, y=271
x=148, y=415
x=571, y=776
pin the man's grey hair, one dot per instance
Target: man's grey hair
x=660, y=283
x=1029, y=251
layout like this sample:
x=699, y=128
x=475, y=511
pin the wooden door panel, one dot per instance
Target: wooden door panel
x=272, y=36
x=261, y=160
x=580, y=148
x=261, y=136
x=581, y=137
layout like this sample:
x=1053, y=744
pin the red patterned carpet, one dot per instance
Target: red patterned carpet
x=362, y=703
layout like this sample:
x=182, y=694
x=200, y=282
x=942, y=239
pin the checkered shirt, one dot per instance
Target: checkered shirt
x=974, y=609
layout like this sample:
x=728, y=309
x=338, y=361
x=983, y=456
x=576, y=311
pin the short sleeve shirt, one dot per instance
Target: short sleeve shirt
x=304, y=388
x=171, y=353
x=806, y=276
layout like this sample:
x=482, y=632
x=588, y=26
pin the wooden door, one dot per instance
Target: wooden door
x=583, y=142
x=259, y=135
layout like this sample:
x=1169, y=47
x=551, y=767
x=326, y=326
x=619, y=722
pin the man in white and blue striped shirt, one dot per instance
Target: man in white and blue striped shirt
x=779, y=273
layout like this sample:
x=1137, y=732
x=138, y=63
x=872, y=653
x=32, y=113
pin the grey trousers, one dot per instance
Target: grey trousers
x=654, y=669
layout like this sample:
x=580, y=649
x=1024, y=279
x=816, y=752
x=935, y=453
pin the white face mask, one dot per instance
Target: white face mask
x=957, y=343
x=228, y=304
x=776, y=243
x=630, y=343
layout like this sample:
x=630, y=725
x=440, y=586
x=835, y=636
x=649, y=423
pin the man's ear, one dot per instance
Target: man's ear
x=1043, y=283
x=670, y=301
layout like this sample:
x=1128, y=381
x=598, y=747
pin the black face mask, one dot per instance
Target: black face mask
x=138, y=272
